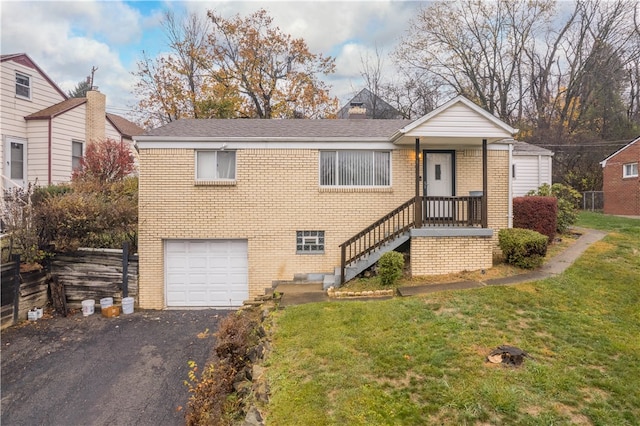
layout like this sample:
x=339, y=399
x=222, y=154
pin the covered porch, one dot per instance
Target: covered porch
x=448, y=220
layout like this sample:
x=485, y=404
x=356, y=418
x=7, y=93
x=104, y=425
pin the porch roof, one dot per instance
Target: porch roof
x=458, y=122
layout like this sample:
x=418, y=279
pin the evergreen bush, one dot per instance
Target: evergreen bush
x=390, y=267
x=523, y=248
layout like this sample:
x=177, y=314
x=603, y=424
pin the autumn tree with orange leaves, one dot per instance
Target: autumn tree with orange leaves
x=232, y=68
x=276, y=74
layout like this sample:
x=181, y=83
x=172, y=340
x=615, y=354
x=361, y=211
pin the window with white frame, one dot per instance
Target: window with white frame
x=355, y=168
x=77, y=150
x=215, y=165
x=23, y=86
x=630, y=170
x=309, y=242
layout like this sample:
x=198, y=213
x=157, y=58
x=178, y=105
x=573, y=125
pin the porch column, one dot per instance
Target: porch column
x=417, y=208
x=485, y=177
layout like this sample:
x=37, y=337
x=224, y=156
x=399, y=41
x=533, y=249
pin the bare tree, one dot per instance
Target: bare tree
x=478, y=49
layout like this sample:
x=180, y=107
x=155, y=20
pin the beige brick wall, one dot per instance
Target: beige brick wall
x=469, y=178
x=275, y=195
x=444, y=255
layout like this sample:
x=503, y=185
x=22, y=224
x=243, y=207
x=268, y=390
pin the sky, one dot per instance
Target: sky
x=67, y=38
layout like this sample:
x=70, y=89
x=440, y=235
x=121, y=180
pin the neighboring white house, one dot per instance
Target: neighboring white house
x=530, y=168
x=44, y=132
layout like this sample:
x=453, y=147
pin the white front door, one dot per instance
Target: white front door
x=438, y=182
x=15, y=170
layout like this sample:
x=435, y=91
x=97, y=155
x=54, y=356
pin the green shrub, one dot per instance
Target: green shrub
x=390, y=267
x=536, y=213
x=568, y=203
x=523, y=248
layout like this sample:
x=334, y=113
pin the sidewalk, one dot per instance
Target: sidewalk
x=296, y=294
x=552, y=267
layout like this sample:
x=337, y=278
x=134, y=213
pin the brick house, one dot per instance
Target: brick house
x=227, y=207
x=44, y=132
x=621, y=182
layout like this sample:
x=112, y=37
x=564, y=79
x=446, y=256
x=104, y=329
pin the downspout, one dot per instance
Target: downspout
x=510, y=207
x=50, y=150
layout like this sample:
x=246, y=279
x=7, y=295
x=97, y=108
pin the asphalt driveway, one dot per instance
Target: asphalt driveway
x=93, y=370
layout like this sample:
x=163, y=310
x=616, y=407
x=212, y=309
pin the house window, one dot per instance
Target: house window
x=77, y=148
x=630, y=170
x=23, y=86
x=355, y=168
x=309, y=242
x=215, y=165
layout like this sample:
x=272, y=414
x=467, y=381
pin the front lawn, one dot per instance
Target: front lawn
x=421, y=360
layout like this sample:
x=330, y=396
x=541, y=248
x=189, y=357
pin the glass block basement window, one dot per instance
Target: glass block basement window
x=309, y=242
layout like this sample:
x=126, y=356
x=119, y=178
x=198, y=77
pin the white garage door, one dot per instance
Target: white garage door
x=211, y=273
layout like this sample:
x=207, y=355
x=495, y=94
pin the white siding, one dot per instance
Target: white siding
x=531, y=171
x=14, y=109
x=66, y=128
x=38, y=153
x=459, y=121
x=111, y=132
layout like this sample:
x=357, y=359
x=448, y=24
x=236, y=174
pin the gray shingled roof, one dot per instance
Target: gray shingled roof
x=256, y=128
x=524, y=148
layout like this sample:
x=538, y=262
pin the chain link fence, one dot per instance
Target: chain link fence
x=593, y=201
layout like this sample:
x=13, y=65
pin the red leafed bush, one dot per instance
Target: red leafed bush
x=105, y=161
x=536, y=213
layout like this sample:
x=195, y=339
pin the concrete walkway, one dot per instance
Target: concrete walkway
x=554, y=266
x=296, y=294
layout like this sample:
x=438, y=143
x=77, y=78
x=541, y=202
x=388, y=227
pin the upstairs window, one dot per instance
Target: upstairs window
x=630, y=170
x=355, y=168
x=23, y=86
x=215, y=165
x=77, y=148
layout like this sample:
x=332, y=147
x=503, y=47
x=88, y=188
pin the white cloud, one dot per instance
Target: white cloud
x=67, y=39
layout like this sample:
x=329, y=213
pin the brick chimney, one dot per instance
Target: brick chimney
x=96, y=115
x=357, y=110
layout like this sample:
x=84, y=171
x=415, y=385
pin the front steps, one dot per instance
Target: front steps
x=326, y=280
x=360, y=265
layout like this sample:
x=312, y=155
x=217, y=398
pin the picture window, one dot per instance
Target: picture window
x=355, y=168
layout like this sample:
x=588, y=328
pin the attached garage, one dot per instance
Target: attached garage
x=206, y=273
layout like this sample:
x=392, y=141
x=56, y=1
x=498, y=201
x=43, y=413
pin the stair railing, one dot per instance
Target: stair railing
x=385, y=229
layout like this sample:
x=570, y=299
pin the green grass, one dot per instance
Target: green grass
x=421, y=360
